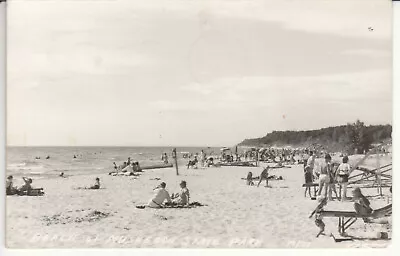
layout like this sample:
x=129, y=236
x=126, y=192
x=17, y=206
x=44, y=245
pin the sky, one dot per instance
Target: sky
x=193, y=73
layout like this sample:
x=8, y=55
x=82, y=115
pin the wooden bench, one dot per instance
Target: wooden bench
x=348, y=218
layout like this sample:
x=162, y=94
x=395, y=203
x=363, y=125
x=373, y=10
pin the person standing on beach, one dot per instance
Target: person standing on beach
x=324, y=177
x=165, y=158
x=311, y=163
x=343, y=172
x=202, y=158
x=264, y=175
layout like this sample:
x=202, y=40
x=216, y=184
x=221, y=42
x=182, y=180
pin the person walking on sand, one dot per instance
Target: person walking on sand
x=264, y=175
x=343, y=173
x=160, y=196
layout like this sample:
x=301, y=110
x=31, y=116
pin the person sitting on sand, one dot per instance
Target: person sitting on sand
x=361, y=203
x=10, y=189
x=249, y=179
x=160, y=196
x=96, y=184
x=115, y=167
x=343, y=173
x=128, y=168
x=136, y=167
x=27, y=186
x=193, y=163
x=209, y=162
x=181, y=198
x=62, y=175
x=122, y=166
x=264, y=175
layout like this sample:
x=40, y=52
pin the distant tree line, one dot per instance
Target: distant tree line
x=351, y=137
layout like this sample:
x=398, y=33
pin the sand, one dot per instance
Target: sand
x=236, y=215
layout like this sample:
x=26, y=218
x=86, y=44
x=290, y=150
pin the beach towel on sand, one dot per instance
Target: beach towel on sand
x=173, y=205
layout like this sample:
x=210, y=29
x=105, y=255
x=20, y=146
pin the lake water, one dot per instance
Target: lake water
x=22, y=160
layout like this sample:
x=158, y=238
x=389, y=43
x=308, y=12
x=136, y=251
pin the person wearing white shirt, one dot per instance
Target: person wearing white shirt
x=159, y=197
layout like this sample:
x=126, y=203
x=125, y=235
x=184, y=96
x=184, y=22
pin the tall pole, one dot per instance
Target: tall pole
x=174, y=155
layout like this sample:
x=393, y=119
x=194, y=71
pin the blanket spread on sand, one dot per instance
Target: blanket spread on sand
x=191, y=205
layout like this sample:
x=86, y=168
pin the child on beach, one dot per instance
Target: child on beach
x=249, y=179
x=343, y=173
x=322, y=202
x=264, y=175
x=308, y=177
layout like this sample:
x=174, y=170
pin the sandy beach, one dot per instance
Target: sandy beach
x=235, y=215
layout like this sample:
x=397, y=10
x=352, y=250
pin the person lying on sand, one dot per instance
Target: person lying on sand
x=159, y=197
x=264, y=175
x=10, y=189
x=181, y=198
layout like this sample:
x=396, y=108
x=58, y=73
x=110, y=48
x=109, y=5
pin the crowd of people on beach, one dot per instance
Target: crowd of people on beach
x=327, y=175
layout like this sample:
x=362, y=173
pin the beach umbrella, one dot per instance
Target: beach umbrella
x=224, y=149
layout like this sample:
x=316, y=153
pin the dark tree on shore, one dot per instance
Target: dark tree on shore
x=339, y=138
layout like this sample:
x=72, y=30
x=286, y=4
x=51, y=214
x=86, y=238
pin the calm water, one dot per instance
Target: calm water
x=21, y=160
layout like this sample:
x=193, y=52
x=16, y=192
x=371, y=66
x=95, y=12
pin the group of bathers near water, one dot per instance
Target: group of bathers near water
x=25, y=189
